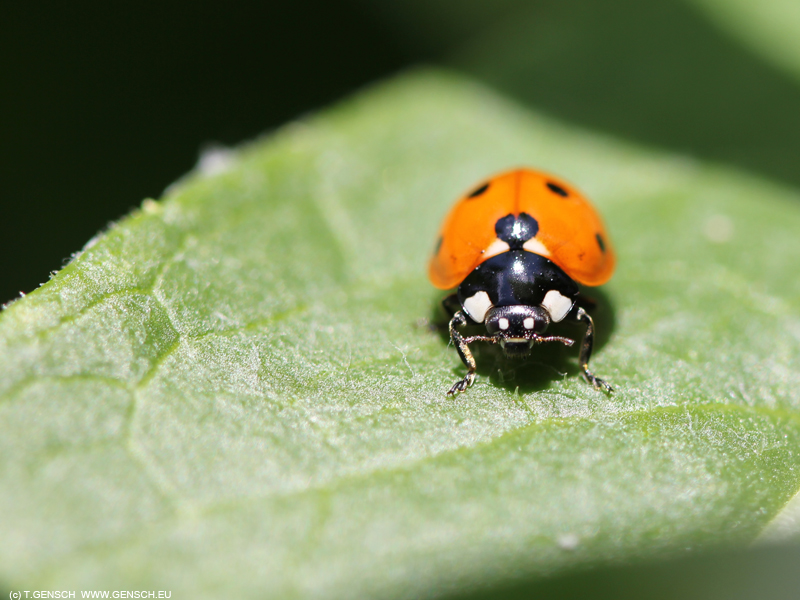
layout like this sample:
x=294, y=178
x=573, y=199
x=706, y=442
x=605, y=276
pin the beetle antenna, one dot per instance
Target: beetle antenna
x=481, y=338
x=553, y=338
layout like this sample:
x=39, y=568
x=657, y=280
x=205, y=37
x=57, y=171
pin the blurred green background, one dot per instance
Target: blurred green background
x=105, y=104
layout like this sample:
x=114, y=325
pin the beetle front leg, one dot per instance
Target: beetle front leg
x=586, y=353
x=462, y=345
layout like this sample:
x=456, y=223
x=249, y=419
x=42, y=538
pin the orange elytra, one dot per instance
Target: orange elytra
x=570, y=232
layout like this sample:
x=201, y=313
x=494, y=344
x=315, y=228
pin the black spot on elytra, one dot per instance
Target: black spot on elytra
x=438, y=245
x=557, y=189
x=600, y=242
x=478, y=191
x=515, y=231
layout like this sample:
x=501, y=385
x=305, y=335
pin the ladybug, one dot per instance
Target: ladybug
x=515, y=248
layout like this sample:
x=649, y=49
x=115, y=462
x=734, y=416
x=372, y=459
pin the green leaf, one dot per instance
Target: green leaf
x=233, y=391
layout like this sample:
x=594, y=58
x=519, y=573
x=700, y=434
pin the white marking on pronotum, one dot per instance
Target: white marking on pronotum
x=528, y=323
x=498, y=246
x=557, y=305
x=477, y=305
x=537, y=247
x=503, y=323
